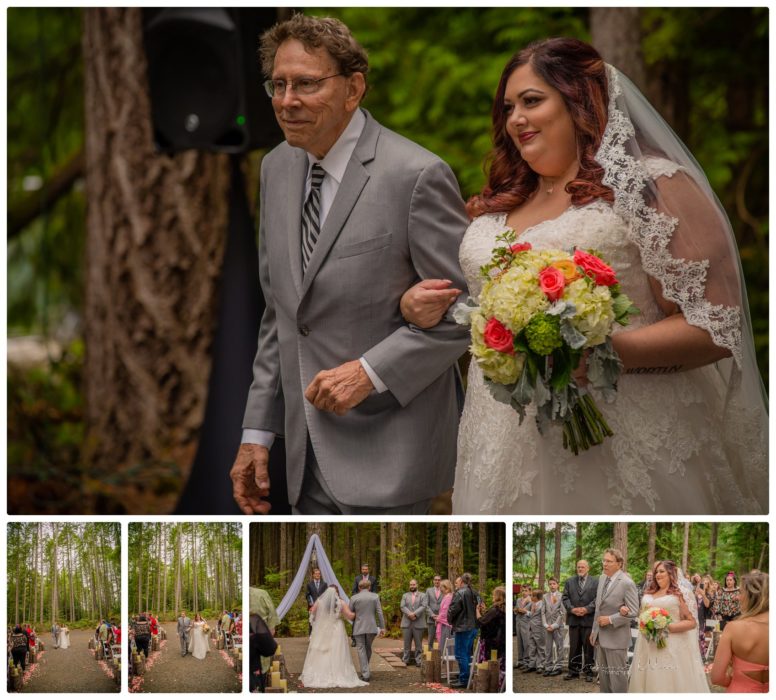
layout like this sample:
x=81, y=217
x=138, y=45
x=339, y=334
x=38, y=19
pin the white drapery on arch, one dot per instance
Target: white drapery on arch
x=327, y=574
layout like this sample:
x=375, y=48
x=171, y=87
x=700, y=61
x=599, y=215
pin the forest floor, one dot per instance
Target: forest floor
x=169, y=672
x=71, y=670
x=536, y=683
x=388, y=673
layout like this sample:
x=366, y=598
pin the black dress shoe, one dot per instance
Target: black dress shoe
x=546, y=673
x=589, y=678
x=556, y=672
x=570, y=676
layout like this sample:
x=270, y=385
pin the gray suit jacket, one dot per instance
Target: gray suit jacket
x=432, y=604
x=621, y=591
x=184, y=625
x=553, y=615
x=397, y=217
x=366, y=606
x=419, y=608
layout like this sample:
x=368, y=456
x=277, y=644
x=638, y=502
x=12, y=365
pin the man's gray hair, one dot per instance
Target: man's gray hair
x=315, y=33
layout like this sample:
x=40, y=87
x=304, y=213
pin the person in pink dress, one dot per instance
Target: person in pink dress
x=443, y=628
x=741, y=661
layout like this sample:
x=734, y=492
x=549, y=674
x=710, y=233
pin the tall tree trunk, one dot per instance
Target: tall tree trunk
x=558, y=546
x=651, y=537
x=616, y=33
x=686, y=549
x=55, y=575
x=620, y=541
x=483, y=559
x=713, y=546
x=158, y=604
x=454, y=550
x=383, y=549
x=578, y=541
x=165, y=537
x=438, y=547
x=156, y=227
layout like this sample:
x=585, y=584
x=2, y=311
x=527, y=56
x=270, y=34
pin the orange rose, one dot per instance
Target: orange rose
x=569, y=270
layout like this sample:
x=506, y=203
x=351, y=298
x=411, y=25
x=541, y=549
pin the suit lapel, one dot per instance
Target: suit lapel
x=297, y=171
x=353, y=182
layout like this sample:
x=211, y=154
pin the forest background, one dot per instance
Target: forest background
x=176, y=566
x=69, y=572
x=542, y=550
x=111, y=332
x=394, y=552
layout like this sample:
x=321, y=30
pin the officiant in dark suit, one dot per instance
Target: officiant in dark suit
x=579, y=600
x=315, y=588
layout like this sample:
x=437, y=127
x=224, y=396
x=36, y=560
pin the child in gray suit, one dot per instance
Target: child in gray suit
x=536, y=634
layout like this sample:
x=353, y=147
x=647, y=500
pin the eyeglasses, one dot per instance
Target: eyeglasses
x=301, y=86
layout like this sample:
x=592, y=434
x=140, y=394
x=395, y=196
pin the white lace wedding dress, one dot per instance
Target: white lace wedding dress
x=670, y=452
x=328, y=663
x=64, y=638
x=675, y=669
x=199, y=645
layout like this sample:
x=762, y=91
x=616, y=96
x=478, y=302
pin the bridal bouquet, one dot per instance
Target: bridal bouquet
x=653, y=624
x=539, y=312
x=206, y=628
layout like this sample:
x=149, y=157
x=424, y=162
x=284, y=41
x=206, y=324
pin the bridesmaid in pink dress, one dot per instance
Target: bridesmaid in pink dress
x=443, y=628
x=741, y=661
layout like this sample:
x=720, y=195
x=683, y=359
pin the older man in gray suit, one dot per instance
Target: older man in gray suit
x=413, y=622
x=611, y=630
x=365, y=605
x=184, y=629
x=352, y=215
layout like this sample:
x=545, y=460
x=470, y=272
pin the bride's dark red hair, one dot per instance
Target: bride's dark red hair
x=673, y=578
x=577, y=71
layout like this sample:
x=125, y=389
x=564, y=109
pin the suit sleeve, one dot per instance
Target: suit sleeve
x=565, y=597
x=380, y=615
x=410, y=359
x=405, y=610
x=265, y=409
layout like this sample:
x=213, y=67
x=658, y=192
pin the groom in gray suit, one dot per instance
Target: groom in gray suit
x=366, y=605
x=352, y=215
x=611, y=630
x=184, y=628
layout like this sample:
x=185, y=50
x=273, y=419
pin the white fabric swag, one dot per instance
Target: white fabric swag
x=327, y=574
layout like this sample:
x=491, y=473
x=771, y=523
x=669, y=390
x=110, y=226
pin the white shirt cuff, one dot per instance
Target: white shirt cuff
x=258, y=437
x=378, y=384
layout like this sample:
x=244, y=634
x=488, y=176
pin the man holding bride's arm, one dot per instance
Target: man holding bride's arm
x=352, y=215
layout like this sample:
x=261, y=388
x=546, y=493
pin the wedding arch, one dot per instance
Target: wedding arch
x=327, y=574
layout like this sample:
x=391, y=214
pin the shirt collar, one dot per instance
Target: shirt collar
x=336, y=160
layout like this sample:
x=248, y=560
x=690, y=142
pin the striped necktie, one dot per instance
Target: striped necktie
x=311, y=215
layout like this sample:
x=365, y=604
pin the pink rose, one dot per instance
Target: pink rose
x=553, y=282
x=519, y=247
x=499, y=337
x=595, y=267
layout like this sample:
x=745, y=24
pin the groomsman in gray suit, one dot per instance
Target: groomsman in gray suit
x=352, y=215
x=434, y=597
x=184, y=628
x=552, y=621
x=413, y=622
x=365, y=605
x=523, y=626
x=611, y=630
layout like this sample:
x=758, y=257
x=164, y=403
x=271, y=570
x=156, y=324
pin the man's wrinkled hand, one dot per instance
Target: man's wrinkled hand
x=250, y=479
x=340, y=389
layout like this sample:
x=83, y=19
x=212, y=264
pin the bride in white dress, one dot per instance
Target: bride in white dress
x=64, y=637
x=689, y=417
x=328, y=663
x=678, y=667
x=199, y=644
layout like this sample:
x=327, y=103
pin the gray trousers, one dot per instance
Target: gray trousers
x=431, y=633
x=184, y=640
x=612, y=669
x=523, y=635
x=536, y=647
x=411, y=634
x=552, y=640
x=364, y=649
x=317, y=499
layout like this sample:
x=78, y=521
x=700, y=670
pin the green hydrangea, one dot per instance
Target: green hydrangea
x=595, y=310
x=543, y=334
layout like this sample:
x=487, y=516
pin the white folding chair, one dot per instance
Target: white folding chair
x=473, y=663
x=712, y=631
x=448, y=655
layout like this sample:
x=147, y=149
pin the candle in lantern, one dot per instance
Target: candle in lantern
x=284, y=685
x=275, y=679
x=494, y=655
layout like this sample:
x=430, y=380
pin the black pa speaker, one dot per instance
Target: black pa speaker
x=205, y=81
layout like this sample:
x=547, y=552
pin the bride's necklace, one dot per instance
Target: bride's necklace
x=548, y=184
